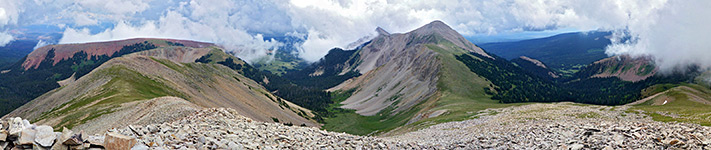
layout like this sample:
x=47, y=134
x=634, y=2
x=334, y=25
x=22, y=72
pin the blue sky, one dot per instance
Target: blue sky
x=241, y=25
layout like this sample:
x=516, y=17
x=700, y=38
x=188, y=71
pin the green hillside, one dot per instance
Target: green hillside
x=20, y=86
x=690, y=103
x=125, y=85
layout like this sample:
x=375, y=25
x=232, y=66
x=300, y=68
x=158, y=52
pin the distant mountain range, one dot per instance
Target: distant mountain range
x=14, y=51
x=561, y=52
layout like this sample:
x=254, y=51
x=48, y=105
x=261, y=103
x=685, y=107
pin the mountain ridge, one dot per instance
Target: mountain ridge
x=142, y=78
x=65, y=51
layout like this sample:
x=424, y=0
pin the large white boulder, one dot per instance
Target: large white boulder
x=45, y=136
x=15, y=126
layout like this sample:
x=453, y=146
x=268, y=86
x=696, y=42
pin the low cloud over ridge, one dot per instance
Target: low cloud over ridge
x=671, y=31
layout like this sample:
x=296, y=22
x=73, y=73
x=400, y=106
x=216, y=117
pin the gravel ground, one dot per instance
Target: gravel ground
x=561, y=126
x=534, y=126
x=220, y=128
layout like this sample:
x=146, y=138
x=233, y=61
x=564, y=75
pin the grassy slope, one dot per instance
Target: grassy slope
x=217, y=55
x=460, y=92
x=277, y=66
x=125, y=86
x=279, y=63
x=683, y=109
x=346, y=120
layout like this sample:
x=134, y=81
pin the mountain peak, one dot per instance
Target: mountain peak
x=381, y=31
x=435, y=27
x=437, y=24
x=440, y=29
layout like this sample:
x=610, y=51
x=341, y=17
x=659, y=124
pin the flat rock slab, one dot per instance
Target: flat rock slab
x=45, y=136
x=27, y=136
x=115, y=141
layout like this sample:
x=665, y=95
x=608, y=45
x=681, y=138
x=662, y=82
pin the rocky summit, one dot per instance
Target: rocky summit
x=534, y=126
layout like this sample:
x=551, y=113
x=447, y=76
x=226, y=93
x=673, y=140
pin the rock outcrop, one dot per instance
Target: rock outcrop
x=34, y=136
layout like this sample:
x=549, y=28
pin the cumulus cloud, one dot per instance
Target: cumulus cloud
x=195, y=20
x=240, y=26
x=9, y=12
x=5, y=38
x=676, y=35
x=84, y=19
x=338, y=23
x=115, y=6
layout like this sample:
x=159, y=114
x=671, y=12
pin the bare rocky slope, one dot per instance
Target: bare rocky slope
x=137, y=84
x=623, y=67
x=402, y=70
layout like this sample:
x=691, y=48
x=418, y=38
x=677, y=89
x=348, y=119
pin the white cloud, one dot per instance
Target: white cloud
x=332, y=24
x=175, y=25
x=675, y=34
x=338, y=23
x=9, y=12
x=241, y=25
x=83, y=19
x=41, y=43
x=5, y=38
x=115, y=6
